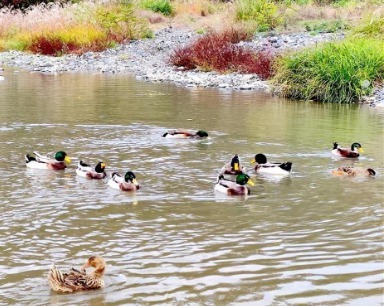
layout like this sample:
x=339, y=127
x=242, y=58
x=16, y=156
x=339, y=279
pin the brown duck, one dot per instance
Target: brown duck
x=78, y=280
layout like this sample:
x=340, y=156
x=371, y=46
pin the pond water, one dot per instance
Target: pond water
x=310, y=238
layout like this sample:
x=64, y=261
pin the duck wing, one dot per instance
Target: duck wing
x=347, y=153
x=43, y=159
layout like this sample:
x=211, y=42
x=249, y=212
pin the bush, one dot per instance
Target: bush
x=217, y=51
x=263, y=12
x=335, y=72
x=158, y=6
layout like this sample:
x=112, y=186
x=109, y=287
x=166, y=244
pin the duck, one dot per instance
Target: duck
x=87, y=171
x=126, y=183
x=39, y=161
x=354, y=152
x=234, y=188
x=233, y=167
x=182, y=134
x=78, y=280
x=354, y=171
x=263, y=166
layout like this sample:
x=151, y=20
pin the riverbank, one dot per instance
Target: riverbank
x=147, y=59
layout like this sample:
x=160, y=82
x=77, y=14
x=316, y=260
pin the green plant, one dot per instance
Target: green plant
x=371, y=26
x=334, y=72
x=326, y=26
x=264, y=12
x=159, y=6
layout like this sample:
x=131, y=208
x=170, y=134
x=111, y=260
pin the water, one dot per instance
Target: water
x=310, y=238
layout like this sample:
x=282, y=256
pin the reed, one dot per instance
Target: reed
x=334, y=72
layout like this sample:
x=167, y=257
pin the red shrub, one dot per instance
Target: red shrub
x=51, y=46
x=218, y=52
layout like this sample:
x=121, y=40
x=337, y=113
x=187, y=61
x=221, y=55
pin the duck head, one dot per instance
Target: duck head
x=100, y=167
x=235, y=163
x=260, y=159
x=202, y=133
x=131, y=177
x=62, y=156
x=357, y=147
x=243, y=179
x=96, y=262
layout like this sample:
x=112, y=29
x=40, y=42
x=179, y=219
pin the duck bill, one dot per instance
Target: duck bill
x=67, y=159
x=236, y=167
x=134, y=181
x=251, y=183
x=360, y=150
x=253, y=161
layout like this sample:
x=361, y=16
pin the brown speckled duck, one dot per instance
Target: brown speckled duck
x=354, y=171
x=78, y=280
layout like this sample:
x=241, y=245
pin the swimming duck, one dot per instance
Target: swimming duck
x=126, y=183
x=87, y=171
x=233, y=167
x=354, y=152
x=262, y=166
x=43, y=162
x=234, y=188
x=354, y=171
x=77, y=280
x=185, y=134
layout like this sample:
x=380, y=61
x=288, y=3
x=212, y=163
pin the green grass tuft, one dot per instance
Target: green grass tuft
x=335, y=72
x=159, y=6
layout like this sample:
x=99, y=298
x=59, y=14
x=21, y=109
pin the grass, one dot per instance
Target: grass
x=57, y=29
x=218, y=52
x=334, y=72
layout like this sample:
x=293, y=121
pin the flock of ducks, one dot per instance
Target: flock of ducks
x=231, y=180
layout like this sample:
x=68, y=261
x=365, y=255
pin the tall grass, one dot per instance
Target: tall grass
x=335, y=72
x=56, y=29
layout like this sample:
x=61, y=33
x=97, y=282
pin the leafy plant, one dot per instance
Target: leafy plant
x=158, y=6
x=264, y=12
x=326, y=26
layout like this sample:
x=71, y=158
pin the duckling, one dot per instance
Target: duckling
x=262, y=166
x=354, y=171
x=354, y=152
x=126, y=183
x=234, y=188
x=77, y=280
x=233, y=167
x=185, y=134
x=85, y=170
x=39, y=161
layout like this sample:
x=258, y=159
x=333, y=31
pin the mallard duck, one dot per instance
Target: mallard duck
x=185, y=134
x=43, y=162
x=354, y=171
x=233, y=167
x=126, y=183
x=87, y=171
x=262, y=166
x=234, y=188
x=77, y=280
x=354, y=152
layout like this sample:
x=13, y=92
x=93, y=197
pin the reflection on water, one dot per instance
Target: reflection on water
x=306, y=238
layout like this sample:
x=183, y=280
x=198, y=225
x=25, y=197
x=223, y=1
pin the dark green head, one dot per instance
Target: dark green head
x=243, y=179
x=355, y=145
x=202, y=133
x=62, y=156
x=130, y=177
x=100, y=167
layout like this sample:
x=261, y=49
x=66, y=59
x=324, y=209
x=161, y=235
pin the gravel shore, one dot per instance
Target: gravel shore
x=148, y=60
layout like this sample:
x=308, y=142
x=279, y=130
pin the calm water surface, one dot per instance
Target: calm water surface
x=310, y=238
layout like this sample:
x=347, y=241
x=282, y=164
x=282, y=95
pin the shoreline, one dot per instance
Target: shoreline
x=147, y=60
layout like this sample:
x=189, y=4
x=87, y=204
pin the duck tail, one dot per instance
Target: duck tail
x=56, y=279
x=286, y=166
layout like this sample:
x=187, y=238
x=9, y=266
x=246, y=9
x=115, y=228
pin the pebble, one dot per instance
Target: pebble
x=148, y=60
